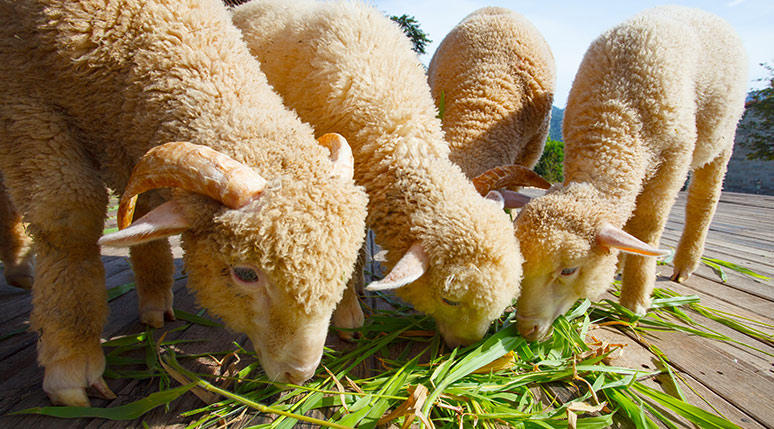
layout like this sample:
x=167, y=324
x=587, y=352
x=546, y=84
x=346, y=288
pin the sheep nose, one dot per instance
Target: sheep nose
x=298, y=377
x=531, y=329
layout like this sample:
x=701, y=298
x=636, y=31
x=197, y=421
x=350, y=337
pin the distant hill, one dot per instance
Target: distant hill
x=555, y=132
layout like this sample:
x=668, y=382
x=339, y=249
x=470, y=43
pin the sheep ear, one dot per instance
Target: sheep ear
x=497, y=197
x=410, y=267
x=616, y=238
x=341, y=155
x=514, y=200
x=163, y=221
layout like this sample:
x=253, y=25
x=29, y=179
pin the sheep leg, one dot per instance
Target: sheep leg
x=647, y=223
x=348, y=314
x=15, y=245
x=703, y=196
x=154, y=270
x=55, y=186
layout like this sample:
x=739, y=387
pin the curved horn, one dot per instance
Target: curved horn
x=341, y=155
x=194, y=168
x=506, y=176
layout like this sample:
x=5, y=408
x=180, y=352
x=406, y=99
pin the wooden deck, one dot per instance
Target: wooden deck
x=737, y=381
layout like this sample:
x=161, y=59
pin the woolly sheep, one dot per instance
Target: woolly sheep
x=92, y=88
x=346, y=66
x=15, y=244
x=496, y=74
x=654, y=98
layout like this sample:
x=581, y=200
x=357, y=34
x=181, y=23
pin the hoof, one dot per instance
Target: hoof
x=348, y=315
x=154, y=317
x=66, y=381
x=638, y=308
x=72, y=397
x=20, y=281
x=680, y=276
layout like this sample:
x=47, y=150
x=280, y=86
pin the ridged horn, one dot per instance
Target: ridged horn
x=194, y=168
x=341, y=155
x=507, y=176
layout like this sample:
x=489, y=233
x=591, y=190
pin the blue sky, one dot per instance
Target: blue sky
x=570, y=26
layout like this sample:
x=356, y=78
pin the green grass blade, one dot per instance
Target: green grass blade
x=694, y=414
x=192, y=318
x=732, y=266
x=129, y=411
x=116, y=291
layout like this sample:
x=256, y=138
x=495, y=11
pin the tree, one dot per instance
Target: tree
x=550, y=164
x=410, y=26
x=758, y=121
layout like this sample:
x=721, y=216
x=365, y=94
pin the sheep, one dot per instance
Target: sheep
x=654, y=98
x=136, y=95
x=15, y=245
x=497, y=76
x=344, y=65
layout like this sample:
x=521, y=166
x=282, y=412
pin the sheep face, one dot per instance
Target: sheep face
x=463, y=284
x=276, y=268
x=270, y=258
x=563, y=260
x=464, y=300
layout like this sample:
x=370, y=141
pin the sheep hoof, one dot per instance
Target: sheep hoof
x=636, y=306
x=348, y=317
x=102, y=390
x=155, y=316
x=680, y=276
x=20, y=275
x=72, y=397
x=21, y=281
x=66, y=381
x=152, y=318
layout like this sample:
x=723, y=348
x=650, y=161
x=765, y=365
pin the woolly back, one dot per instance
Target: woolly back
x=496, y=75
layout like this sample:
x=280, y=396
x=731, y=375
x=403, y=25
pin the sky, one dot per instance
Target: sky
x=570, y=26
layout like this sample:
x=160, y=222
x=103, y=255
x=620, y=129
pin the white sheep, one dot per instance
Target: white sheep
x=346, y=66
x=497, y=76
x=15, y=245
x=655, y=97
x=92, y=88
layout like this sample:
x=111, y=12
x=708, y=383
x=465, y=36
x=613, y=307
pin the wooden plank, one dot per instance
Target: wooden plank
x=739, y=382
x=634, y=355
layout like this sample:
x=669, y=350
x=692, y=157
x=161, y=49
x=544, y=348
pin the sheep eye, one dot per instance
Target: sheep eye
x=245, y=274
x=569, y=271
x=449, y=302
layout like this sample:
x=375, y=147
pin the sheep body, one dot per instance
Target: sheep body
x=88, y=88
x=497, y=77
x=345, y=66
x=655, y=97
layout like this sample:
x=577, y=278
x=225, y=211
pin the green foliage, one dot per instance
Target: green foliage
x=550, y=164
x=410, y=26
x=758, y=121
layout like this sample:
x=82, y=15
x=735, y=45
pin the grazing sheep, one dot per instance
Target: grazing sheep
x=497, y=76
x=654, y=98
x=93, y=88
x=15, y=244
x=346, y=66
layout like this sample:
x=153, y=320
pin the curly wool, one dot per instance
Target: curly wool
x=89, y=87
x=497, y=77
x=344, y=67
x=655, y=97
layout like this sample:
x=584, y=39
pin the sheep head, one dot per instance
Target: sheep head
x=569, y=247
x=269, y=258
x=465, y=284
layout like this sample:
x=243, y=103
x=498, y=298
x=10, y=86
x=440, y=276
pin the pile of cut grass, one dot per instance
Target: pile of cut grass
x=502, y=380
x=565, y=381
